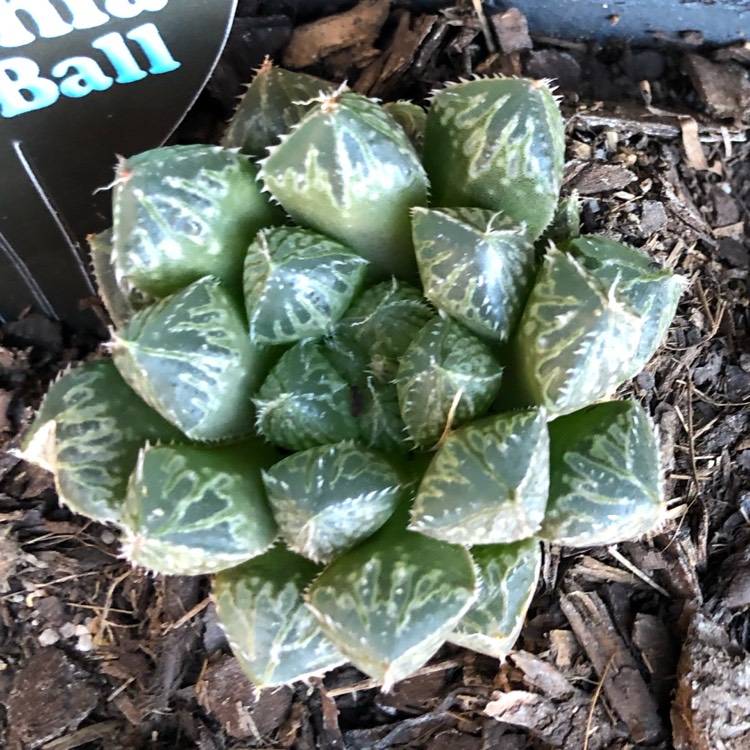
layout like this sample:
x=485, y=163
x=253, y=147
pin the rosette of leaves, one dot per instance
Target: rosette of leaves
x=434, y=427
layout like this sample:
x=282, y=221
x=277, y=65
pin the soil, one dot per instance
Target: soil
x=642, y=644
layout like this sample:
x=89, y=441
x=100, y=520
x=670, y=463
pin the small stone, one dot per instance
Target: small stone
x=48, y=636
x=108, y=537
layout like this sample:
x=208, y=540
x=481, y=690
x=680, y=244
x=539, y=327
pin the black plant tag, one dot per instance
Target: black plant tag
x=82, y=81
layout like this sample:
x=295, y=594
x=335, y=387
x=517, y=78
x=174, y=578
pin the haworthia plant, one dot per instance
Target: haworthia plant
x=476, y=265
x=298, y=284
x=88, y=432
x=326, y=499
x=605, y=476
x=276, y=100
x=195, y=509
x=389, y=603
x=190, y=357
x=497, y=143
x=344, y=158
x=447, y=377
x=508, y=575
x=273, y=634
x=183, y=212
x=488, y=482
x=430, y=375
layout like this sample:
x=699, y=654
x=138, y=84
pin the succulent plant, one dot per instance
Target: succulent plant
x=365, y=421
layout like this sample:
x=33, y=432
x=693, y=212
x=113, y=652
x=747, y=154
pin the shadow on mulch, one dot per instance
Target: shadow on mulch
x=643, y=644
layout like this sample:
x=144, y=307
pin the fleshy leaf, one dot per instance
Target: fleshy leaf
x=412, y=118
x=274, y=636
x=375, y=331
x=376, y=408
x=344, y=159
x=325, y=499
x=605, y=476
x=509, y=574
x=192, y=510
x=276, y=100
x=119, y=307
x=445, y=363
x=651, y=291
x=476, y=265
x=304, y=401
x=297, y=284
x=566, y=223
x=497, y=143
x=389, y=603
x=88, y=432
x=487, y=483
x=576, y=338
x=189, y=356
x=183, y=212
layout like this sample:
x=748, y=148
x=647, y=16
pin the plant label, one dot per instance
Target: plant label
x=82, y=81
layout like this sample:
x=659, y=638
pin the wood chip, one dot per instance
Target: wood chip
x=725, y=89
x=593, y=178
x=385, y=72
x=358, y=27
x=512, y=31
x=623, y=684
x=692, y=144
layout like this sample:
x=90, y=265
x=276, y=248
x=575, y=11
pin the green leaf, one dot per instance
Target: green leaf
x=298, y=284
x=118, y=305
x=476, y=265
x=304, y=401
x=651, y=291
x=605, y=476
x=497, y=143
x=412, y=118
x=189, y=356
x=445, y=373
x=566, y=223
x=192, y=510
x=276, y=100
x=88, y=432
x=274, y=636
x=184, y=212
x=389, y=603
x=325, y=499
x=487, y=483
x=373, y=334
x=576, y=338
x=349, y=171
x=509, y=574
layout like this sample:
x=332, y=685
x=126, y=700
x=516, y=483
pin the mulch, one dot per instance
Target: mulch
x=642, y=644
